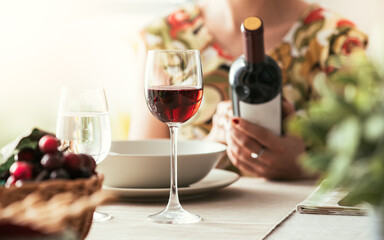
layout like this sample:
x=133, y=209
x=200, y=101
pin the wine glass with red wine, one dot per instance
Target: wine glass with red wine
x=173, y=92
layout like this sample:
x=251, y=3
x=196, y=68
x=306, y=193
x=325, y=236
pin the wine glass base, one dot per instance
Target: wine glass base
x=100, y=217
x=179, y=216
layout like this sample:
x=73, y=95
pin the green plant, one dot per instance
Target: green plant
x=345, y=131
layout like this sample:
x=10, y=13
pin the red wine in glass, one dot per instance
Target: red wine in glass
x=170, y=104
x=173, y=92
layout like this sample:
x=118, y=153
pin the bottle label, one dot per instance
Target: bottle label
x=267, y=114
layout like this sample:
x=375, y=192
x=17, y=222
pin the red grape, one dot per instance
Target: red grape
x=72, y=162
x=59, y=174
x=21, y=170
x=26, y=155
x=48, y=144
x=85, y=172
x=52, y=161
x=88, y=162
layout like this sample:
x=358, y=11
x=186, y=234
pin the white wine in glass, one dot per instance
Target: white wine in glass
x=83, y=125
x=85, y=132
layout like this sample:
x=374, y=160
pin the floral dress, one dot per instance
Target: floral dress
x=314, y=44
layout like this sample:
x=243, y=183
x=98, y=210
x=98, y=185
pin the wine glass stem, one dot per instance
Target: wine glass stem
x=173, y=202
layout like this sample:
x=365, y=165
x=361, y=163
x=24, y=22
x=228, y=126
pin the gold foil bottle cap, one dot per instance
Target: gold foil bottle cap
x=252, y=23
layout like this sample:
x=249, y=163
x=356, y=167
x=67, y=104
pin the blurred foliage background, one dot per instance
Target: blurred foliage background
x=344, y=130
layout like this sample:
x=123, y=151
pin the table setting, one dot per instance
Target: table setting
x=158, y=188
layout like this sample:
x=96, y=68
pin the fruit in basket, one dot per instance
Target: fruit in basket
x=21, y=170
x=77, y=165
x=48, y=144
x=88, y=162
x=52, y=161
x=72, y=162
x=59, y=174
x=26, y=154
x=37, y=158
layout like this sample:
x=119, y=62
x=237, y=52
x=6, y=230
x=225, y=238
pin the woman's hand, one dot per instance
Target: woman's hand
x=258, y=151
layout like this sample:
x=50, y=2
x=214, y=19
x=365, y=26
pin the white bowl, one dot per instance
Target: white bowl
x=146, y=163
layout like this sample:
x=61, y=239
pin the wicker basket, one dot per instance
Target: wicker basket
x=55, y=204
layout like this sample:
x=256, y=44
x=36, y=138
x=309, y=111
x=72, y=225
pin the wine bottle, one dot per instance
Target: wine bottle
x=255, y=80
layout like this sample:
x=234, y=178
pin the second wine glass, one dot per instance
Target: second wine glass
x=83, y=125
x=173, y=91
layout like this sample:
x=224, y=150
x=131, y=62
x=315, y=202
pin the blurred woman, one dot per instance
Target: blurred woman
x=304, y=39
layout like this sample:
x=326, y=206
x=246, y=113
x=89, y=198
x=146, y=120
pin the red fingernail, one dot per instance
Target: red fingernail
x=235, y=121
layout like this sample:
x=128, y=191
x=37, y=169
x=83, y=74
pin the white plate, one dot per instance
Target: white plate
x=128, y=160
x=215, y=180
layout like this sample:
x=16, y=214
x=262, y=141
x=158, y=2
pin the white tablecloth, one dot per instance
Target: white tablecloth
x=250, y=208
